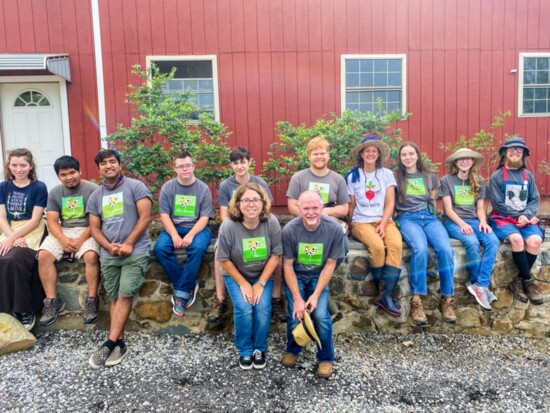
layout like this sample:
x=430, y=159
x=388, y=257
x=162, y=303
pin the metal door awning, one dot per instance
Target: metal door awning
x=57, y=64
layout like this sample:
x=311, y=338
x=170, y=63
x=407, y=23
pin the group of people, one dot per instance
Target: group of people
x=106, y=226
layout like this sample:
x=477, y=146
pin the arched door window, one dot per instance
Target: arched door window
x=32, y=98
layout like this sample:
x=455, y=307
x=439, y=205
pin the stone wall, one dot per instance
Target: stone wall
x=152, y=309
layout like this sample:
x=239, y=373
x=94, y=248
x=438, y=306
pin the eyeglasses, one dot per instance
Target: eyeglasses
x=248, y=201
x=517, y=149
x=186, y=166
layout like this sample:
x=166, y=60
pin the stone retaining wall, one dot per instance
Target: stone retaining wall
x=152, y=309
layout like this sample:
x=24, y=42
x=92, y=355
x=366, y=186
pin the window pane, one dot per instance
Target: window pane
x=367, y=66
x=26, y=97
x=43, y=101
x=352, y=80
x=352, y=65
x=380, y=79
x=394, y=65
x=528, y=106
x=352, y=106
x=540, y=93
x=206, y=101
x=175, y=85
x=20, y=102
x=36, y=97
x=528, y=93
x=394, y=106
x=206, y=86
x=394, y=79
x=530, y=63
x=186, y=69
x=380, y=95
x=191, y=85
x=394, y=96
x=541, y=106
x=352, y=97
x=364, y=107
x=366, y=97
x=542, y=63
x=380, y=65
x=366, y=79
x=542, y=77
x=529, y=77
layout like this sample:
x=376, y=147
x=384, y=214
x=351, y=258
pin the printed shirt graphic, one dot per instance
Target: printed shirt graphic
x=464, y=195
x=254, y=249
x=185, y=205
x=72, y=207
x=113, y=205
x=415, y=187
x=17, y=204
x=516, y=195
x=310, y=253
x=321, y=189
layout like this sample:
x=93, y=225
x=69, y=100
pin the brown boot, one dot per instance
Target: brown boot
x=324, y=369
x=218, y=310
x=518, y=291
x=289, y=360
x=446, y=306
x=417, y=313
x=533, y=291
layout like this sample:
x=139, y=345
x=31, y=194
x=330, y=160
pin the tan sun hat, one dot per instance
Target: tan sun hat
x=382, y=147
x=465, y=153
x=304, y=333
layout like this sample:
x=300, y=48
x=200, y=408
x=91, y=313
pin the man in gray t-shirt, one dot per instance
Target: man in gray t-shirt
x=186, y=207
x=312, y=243
x=69, y=237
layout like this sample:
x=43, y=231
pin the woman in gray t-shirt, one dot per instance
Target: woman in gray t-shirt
x=249, y=250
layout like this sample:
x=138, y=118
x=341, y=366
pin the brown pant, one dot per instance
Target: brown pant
x=381, y=251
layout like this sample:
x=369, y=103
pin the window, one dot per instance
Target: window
x=196, y=75
x=367, y=78
x=534, y=84
x=31, y=98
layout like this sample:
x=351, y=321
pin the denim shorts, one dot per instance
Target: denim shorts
x=122, y=277
x=506, y=230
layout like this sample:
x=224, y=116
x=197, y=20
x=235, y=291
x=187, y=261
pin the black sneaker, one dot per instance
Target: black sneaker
x=278, y=311
x=116, y=355
x=259, y=359
x=28, y=320
x=90, y=310
x=245, y=362
x=52, y=307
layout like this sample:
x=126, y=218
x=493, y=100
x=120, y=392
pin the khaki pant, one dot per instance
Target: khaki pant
x=381, y=251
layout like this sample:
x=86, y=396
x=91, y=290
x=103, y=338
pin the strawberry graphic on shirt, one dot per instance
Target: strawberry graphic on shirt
x=369, y=193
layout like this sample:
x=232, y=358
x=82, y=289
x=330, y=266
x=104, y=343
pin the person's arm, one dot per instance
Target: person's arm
x=198, y=227
x=324, y=279
x=224, y=212
x=389, y=209
x=350, y=212
x=336, y=211
x=15, y=238
x=54, y=228
x=533, y=200
x=246, y=289
x=465, y=228
x=292, y=284
x=482, y=217
x=99, y=236
x=4, y=224
x=266, y=274
x=143, y=207
x=293, y=206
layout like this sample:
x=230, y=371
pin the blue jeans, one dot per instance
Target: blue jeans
x=320, y=317
x=480, y=265
x=251, y=321
x=419, y=229
x=182, y=279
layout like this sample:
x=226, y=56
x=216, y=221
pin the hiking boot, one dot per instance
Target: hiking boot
x=98, y=358
x=533, y=292
x=278, y=311
x=192, y=297
x=446, y=306
x=325, y=369
x=27, y=319
x=289, y=360
x=259, y=361
x=518, y=291
x=480, y=294
x=245, y=362
x=218, y=310
x=90, y=310
x=116, y=355
x=52, y=307
x=417, y=313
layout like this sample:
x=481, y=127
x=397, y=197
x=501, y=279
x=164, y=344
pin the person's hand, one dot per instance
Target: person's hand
x=187, y=240
x=113, y=249
x=485, y=228
x=20, y=242
x=381, y=230
x=258, y=290
x=68, y=245
x=177, y=241
x=299, y=308
x=311, y=303
x=466, y=229
x=534, y=221
x=6, y=246
x=125, y=250
x=248, y=292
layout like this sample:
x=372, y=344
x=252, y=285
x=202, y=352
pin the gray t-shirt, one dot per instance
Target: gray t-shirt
x=518, y=196
x=119, y=215
x=462, y=196
x=249, y=249
x=70, y=203
x=332, y=187
x=370, y=193
x=311, y=249
x=230, y=185
x=186, y=203
x=417, y=192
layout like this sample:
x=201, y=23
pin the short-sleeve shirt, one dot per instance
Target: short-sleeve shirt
x=186, y=203
x=249, y=249
x=20, y=202
x=370, y=193
x=332, y=187
x=462, y=195
x=230, y=185
x=119, y=215
x=70, y=203
x=311, y=249
x=417, y=192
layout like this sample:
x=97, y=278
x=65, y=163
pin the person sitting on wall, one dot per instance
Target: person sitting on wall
x=516, y=200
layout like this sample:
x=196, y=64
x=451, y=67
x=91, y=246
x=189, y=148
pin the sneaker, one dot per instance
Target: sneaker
x=218, y=310
x=259, y=359
x=417, y=313
x=245, y=362
x=278, y=311
x=52, y=307
x=289, y=360
x=90, y=310
x=325, y=369
x=518, y=291
x=480, y=294
x=178, y=305
x=28, y=320
x=490, y=296
x=192, y=297
x=533, y=291
x=446, y=306
x=116, y=355
x=98, y=358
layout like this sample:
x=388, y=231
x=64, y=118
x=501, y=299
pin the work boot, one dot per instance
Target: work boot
x=289, y=360
x=533, y=291
x=217, y=311
x=417, y=313
x=325, y=369
x=518, y=291
x=446, y=306
x=385, y=301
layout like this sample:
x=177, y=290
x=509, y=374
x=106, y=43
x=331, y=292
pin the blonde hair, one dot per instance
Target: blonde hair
x=317, y=143
x=234, y=212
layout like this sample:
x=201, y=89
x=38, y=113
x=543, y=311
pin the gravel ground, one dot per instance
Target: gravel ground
x=199, y=373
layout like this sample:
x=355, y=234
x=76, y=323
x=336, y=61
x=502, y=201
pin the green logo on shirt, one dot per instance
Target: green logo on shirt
x=415, y=186
x=310, y=254
x=72, y=207
x=254, y=249
x=185, y=205
x=464, y=195
x=321, y=189
x=113, y=205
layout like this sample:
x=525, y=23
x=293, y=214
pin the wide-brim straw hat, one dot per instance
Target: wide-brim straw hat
x=383, y=147
x=514, y=142
x=304, y=333
x=478, y=158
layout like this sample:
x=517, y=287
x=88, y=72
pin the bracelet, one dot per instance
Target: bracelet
x=262, y=283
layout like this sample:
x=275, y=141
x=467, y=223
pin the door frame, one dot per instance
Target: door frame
x=62, y=98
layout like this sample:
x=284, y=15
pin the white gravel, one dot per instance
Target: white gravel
x=200, y=373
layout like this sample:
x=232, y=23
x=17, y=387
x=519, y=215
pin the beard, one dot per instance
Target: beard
x=513, y=164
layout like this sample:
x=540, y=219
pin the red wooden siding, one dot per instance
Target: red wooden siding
x=280, y=60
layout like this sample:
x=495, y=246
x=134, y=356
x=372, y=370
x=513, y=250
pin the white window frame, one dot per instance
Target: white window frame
x=402, y=57
x=213, y=58
x=521, y=66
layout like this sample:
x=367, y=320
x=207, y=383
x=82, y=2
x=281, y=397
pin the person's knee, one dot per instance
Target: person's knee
x=90, y=258
x=533, y=242
x=516, y=241
x=45, y=258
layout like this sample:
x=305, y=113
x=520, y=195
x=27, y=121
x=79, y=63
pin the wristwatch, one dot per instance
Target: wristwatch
x=262, y=283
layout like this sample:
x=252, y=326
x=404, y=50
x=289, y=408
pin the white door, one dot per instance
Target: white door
x=31, y=118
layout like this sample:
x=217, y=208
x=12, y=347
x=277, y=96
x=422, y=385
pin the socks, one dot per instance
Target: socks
x=530, y=259
x=522, y=262
x=120, y=342
x=110, y=344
